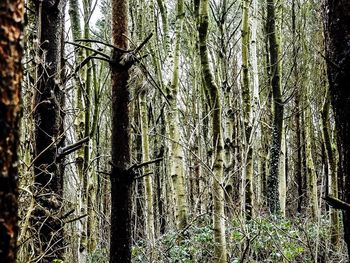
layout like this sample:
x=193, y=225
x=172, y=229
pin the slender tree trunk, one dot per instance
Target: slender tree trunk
x=310, y=166
x=148, y=179
x=274, y=46
x=49, y=135
x=297, y=135
x=11, y=18
x=121, y=176
x=176, y=152
x=220, y=253
x=338, y=63
x=332, y=168
x=77, y=246
x=247, y=113
x=282, y=182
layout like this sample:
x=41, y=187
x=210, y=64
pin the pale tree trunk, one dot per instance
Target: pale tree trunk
x=282, y=186
x=332, y=168
x=310, y=166
x=220, y=252
x=89, y=177
x=77, y=229
x=247, y=113
x=11, y=18
x=176, y=151
x=256, y=111
x=148, y=179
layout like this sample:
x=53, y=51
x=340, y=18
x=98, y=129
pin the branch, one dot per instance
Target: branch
x=142, y=44
x=88, y=48
x=71, y=148
x=136, y=166
x=103, y=172
x=144, y=175
x=67, y=214
x=80, y=66
x=75, y=219
x=102, y=43
x=337, y=203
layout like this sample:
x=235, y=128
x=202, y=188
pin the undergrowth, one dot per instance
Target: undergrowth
x=260, y=240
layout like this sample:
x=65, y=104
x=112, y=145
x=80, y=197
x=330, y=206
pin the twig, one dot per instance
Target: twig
x=102, y=43
x=75, y=219
x=136, y=166
x=103, y=172
x=142, y=44
x=67, y=214
x=88, y=48
x=144, y=175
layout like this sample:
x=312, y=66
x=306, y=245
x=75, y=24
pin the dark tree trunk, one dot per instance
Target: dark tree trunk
x=297, y=136
x=48, y=116
x=121, y=177
x=272, y=180
x=11, y=17
x=337, y=31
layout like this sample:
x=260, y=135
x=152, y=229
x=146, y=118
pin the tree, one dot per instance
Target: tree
x=217, y=142
x=11, y=18
x=247, y=112
x=49, y=135
x=121, y=176
x=274, y=50
x=337, y=28
x=176, y=152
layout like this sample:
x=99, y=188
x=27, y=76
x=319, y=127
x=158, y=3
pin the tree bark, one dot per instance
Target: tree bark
x=48, y=117
x=332, y=168
x=247, y=114
x=176, y=152
x=337, y=31
x=148, y=179
x=220, y=253
x=11, y=18
x=121, y=176
x=273, y=38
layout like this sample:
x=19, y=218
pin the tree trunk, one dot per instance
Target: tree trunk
x=247, y=113
x=148, y=179
x=273, y=38
x=338, y=63
x=49, y=135
x=78, y=250
x=332, y=169
x=220, y=253
x=11, y=18
x=176, y=152
x=121, y=176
